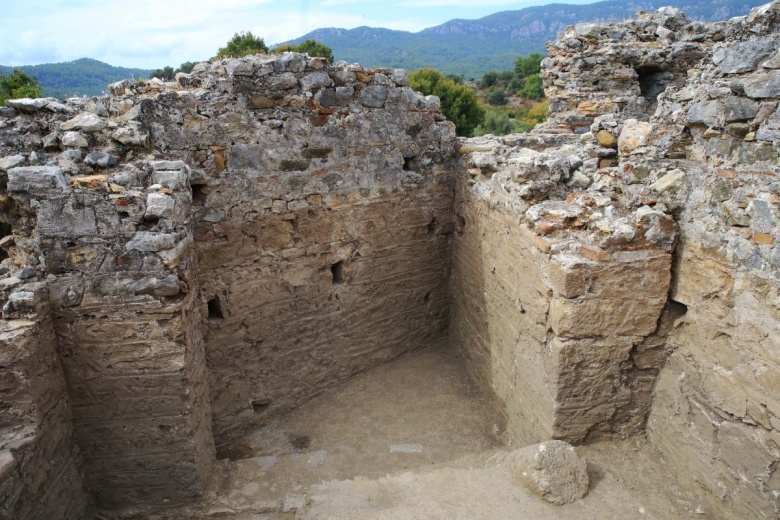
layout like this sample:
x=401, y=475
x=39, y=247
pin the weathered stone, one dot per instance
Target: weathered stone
x=11, y=161
x=743, y=56
x=129, y=136
x=316, y=81
x=373, y=96
x=552, y=470
x=26, y=105
x=671, y=181
x=261, y=102
x=737, y=109
x=36, y=180
x=159, y=205
x=101, y=159
x=635, y=134
x=760, y=86
x=709, y=113
x=606, y=139
x=151, y=241
x=738, y=130
x=85, y=122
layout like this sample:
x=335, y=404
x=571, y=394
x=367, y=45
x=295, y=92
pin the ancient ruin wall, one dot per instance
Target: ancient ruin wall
x=40, y=476
x=716, y=407
x=308, y=240
x=556, y=299
x=322, y=209
x=708, y=156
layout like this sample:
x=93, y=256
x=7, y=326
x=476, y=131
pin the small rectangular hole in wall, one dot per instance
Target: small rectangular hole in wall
x=199, y=194
x=215, y=309
x=337, y=270
x=261, y=405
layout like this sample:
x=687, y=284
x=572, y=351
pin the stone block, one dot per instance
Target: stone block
x=552, y=470
x=36, y=180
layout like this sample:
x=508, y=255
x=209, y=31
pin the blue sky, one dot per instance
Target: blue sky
x=155, y=33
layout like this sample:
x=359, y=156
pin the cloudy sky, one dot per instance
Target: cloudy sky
x=154, y=33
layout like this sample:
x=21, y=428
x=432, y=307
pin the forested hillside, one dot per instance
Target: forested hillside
x=473, y=47
x=81, y=77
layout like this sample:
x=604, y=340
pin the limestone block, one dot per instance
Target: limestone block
x=159, y=205
x=36, y=180
x=26, y=105
x=743, y=56
x=101, y=159
x=316, y=81
x=11, y=161
x=74, y=140
x=151, y=241
x=373, y=96
x=709, y=113
x=85, y=122
x=552, y=470
x=669, y=182
x=760, y=86
x=634, y=135
x=739, y=109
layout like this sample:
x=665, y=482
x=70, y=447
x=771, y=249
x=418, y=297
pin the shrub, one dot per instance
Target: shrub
x=496, y=123
x=18, y=85
x=496, y=97
x=458, y=102
x=310, y=47
x=242, y=44
x=533, y=87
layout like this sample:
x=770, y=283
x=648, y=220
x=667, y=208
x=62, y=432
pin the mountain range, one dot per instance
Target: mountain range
x=473, y=47
x=467, y=47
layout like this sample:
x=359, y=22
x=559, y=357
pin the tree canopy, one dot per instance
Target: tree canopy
x=18, y=85
x=526, y=66
x=458, y=102
x=242, y=44
x=168, y=73
x=310, y=47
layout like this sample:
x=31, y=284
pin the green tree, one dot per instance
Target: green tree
x=528, y=66
x=533, y=88
x=311, y=47
x=164, y=74
x=496, y=123
x=18, y=85
x=496, y=97
x=458, y=102
x=457, y=78
x=489, y=79
x=186, y=67
x=242, y=44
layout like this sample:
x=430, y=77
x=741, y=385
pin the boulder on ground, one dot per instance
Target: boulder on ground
x=552, y=470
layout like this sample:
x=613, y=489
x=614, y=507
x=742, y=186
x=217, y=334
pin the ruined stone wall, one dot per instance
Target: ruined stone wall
x=557, y=291
x=707, y=155
x=322, y=208
x=307, y=241
x=118, y=252
x=39, y=464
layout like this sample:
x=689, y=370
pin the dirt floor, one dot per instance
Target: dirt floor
x=415, y=439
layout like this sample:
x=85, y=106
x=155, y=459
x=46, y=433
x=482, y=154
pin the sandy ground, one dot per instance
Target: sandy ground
x=415, y=439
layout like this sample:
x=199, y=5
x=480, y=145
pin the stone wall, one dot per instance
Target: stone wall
x=323, y=215
x=558, y=293
x=707, y=154
x=39, y=464
x=296, y=233
x=207, y=254
x=716, y=408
